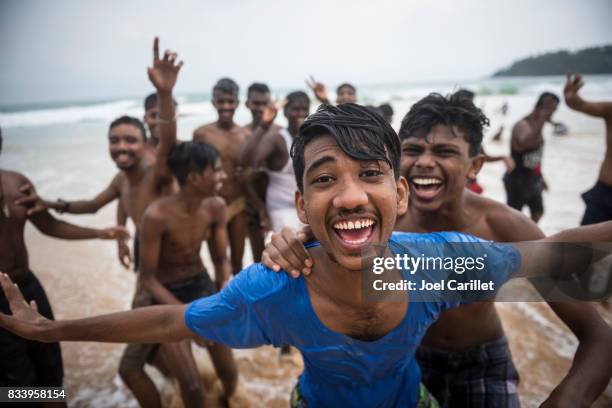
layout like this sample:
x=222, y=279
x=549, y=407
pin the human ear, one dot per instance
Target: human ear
x=300, y=207
x=402, y=196
x=475, y=166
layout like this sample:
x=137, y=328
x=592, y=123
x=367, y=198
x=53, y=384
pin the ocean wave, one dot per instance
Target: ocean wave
x=599, y=86
x=71, y=114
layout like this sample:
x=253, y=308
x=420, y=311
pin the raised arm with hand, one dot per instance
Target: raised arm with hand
x=575, y=101
x=154, y=324
x=163, y=75
x=319, y=90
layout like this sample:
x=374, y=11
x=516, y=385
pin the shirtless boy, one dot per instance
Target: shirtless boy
x=598, y=199
x=139, y=181
x=25, y=363
x=464, y=356
x=172, y=271
x=258, y=97
x=525, y=183
x=271, y=151
x=227, y=137
x=345, y=93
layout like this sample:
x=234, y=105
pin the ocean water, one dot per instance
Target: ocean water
x=62, y=148
x=36, y=114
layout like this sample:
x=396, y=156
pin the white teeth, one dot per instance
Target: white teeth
x=426, y=181
x=358, y=224
x=360, y=241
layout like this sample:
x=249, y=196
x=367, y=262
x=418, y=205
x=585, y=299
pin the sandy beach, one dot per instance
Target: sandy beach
x=85, y=278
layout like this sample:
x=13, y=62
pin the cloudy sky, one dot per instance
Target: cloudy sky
x=83, y=50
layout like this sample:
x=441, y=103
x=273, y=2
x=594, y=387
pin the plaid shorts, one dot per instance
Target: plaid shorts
x=483, y=376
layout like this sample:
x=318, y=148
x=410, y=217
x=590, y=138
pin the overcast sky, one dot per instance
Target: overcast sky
x=82, y=50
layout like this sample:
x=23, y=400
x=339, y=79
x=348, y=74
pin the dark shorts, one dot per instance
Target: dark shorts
x=598, y=202
x=252, y=217
x=524, y=189
x=136, y=355
x=477, y=378
x=27, y=363
x=136, y=252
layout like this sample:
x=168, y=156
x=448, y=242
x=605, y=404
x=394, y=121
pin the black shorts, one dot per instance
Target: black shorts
x=137, y=354
x=28, y=363
x=194, y=288
x=252, y=217
x=524, y=189
x=136, y=252
x=598, y=202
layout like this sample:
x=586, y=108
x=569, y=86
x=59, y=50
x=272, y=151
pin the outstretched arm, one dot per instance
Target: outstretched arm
x=575, y=101
x=163, y=75
x=49, y=225
x=154, y=324
x=542, y=258
x=36, y=204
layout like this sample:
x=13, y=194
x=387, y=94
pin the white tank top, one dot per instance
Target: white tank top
x=281, y=184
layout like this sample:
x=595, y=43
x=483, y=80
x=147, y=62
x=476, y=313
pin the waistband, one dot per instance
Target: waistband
x=202, y=277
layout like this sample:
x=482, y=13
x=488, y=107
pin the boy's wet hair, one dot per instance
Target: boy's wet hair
x=465, y=93
x=151, y=101
x=545, y=95
x=346, y=85
x=360, y=134
x=295, y=96
x=455, y=110
x=386, y=109
x=188, y=157
x=129, y=120
x=258, y=87
x=226, y=85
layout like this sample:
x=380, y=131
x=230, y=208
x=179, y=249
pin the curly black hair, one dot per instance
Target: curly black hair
x=453, y=111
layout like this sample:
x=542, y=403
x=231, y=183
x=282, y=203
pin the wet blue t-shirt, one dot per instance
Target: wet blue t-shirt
x=260, y=306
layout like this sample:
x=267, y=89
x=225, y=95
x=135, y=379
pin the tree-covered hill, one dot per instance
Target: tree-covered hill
x=595, y=60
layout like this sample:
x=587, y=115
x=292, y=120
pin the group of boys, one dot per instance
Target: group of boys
x=344, y=172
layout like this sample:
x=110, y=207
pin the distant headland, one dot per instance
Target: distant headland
x=594, y=60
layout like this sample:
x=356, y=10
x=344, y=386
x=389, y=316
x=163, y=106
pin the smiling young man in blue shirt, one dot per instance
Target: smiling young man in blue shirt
x=356, y=352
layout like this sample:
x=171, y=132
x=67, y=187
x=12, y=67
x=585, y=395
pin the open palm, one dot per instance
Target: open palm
x=25, y=318
x=572, y=86
x=164, y=71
